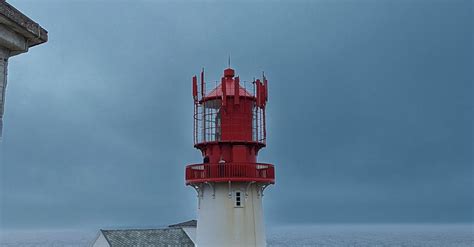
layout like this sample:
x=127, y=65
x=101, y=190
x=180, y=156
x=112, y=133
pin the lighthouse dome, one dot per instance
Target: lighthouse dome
x=229, y=73
x=229, y=80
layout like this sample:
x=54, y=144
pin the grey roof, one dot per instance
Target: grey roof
x=169, y=237
x=189, y=223
x=20, y=23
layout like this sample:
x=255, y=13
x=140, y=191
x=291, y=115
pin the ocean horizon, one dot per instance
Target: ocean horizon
x=331, y=235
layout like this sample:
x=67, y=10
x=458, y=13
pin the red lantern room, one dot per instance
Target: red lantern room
x=229, y=130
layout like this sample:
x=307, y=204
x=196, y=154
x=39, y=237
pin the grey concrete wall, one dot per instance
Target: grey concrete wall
x=4, y=55
x=17, y=34
x=100, y=241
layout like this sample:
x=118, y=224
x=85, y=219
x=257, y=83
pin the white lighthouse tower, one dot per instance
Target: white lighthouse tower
x=229, y=130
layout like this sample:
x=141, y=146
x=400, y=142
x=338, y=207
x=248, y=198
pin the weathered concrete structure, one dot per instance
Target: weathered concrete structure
x=17, y=34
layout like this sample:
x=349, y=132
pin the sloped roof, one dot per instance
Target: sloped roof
x=230, y=90
x=189, y=223
x=166, y=237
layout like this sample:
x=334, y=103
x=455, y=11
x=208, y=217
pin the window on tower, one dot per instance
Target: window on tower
x=238, y=199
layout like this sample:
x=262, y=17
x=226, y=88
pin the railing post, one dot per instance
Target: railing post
x=230, y=171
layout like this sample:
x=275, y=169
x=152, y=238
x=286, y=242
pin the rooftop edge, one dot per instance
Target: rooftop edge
x=22, y=24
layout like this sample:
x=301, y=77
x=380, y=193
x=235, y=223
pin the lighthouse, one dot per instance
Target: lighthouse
x=229, y=131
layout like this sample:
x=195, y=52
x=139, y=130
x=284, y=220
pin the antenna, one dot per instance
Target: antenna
x=229, y=60
x=203, y=86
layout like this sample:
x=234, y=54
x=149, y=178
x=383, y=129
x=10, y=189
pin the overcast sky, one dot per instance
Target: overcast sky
x=370, y=110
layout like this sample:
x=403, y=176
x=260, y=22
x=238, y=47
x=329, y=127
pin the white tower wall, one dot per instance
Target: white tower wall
x=221, y=222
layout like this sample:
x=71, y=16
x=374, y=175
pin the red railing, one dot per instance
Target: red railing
x=235, y=172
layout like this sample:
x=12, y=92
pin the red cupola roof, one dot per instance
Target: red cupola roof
x=217, y=92
x=229, y=74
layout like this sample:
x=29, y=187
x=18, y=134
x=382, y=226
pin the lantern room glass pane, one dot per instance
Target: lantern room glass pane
x=211, y=120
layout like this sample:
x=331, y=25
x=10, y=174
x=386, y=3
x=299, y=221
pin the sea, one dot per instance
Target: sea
x=330, y=235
